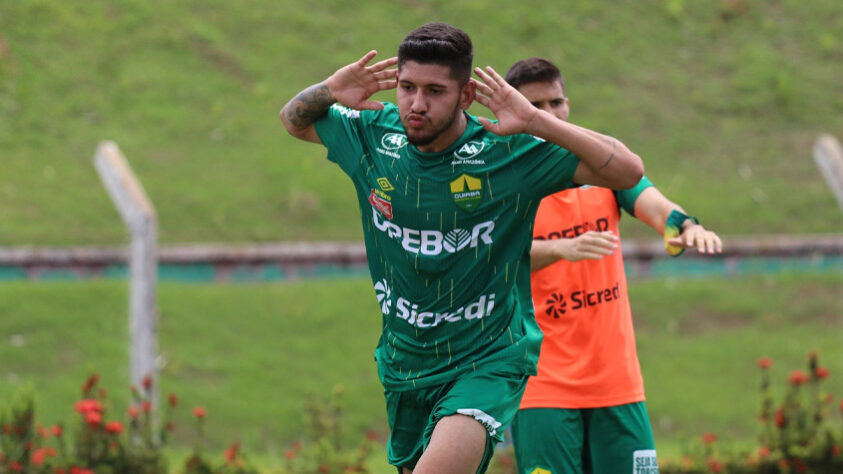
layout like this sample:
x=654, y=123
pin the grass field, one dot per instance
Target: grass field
x=723, y=100
x=252, y=354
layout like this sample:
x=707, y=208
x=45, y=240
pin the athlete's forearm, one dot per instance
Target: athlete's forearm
x=301, y=112
x=652, y=208
x=543, y=253
x=608, y=158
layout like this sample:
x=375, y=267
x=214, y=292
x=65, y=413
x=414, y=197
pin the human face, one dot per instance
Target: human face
x=430, y=103
x=547, y=96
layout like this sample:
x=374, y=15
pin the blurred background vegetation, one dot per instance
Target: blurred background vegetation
x=722, y=99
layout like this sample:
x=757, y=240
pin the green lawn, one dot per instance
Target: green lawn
x=251, y=354
x=722, y=102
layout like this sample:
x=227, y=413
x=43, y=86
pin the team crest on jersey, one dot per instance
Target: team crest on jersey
x=380, y=201
x=539, y=470
x=385, y=184
x=467, y=192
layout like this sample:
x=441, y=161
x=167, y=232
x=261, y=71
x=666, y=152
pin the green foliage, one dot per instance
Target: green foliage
x=324, y=451
x=802, y=433
x=99, y=445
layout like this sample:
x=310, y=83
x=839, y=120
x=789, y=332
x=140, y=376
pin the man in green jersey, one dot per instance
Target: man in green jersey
x=447, y=202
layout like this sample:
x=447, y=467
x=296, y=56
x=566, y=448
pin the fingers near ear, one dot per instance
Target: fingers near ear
x=367, y=57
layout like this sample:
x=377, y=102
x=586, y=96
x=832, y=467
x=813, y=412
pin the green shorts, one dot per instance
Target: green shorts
x=490, y=398
x=594, y=440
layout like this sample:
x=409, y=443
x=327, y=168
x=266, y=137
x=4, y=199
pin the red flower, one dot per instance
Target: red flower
x=114, y=427
x=16, y=466
x=714, y=465
x=38, y=457
x=199, y=412
x=94, y=419
x=371, y=435
x=763, y=452
x=173, y=400
x=231, y=452
x=822, y=372
x=133, y=411
x=765, y=362
x=42, y=432
x=297, y=445
x=324, y=469
x=708, y=438
x=799, y=465
x=797, y=378
x=835, y=450
x=146, y=406
x=781, y=420
x=87, y=405
x=60, y=470
x=290, y=454
x=147, y=382
x=79, y=470
x=56, y=430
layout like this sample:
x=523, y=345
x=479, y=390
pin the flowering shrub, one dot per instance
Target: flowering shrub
x=101, y=443
x=323, y=452
x=799, y=434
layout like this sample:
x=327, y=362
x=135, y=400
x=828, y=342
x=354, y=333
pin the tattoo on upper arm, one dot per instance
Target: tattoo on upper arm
x=611, y=156
x=309, y=105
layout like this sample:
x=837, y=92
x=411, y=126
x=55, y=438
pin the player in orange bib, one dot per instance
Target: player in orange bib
x=585, y=411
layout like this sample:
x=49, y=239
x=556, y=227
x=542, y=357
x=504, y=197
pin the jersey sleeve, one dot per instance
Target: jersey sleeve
x=341, y=131
x=546, y=167
x=627, y=197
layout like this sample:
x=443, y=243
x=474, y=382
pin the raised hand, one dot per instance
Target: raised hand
x=697, y=236
x=352, y=85
x=513, y=111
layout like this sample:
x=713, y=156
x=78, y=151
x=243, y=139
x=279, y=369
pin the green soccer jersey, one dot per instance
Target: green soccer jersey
x=448, y=237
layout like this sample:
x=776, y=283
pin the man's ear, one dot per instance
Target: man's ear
x=467, y=94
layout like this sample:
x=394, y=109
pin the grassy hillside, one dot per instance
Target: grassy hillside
x=722, y=99
x=251, y=354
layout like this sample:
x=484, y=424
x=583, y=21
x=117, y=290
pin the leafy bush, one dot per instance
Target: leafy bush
x=100, y=443
x=801, y=433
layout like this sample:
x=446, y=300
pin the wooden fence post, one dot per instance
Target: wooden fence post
x=137, y=212
x=829, y=158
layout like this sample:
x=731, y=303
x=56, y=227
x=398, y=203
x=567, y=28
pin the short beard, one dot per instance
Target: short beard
x=417, y=142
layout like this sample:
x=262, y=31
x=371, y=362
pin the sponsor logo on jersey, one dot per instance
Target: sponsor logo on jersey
x=467, y=192
x=557, y=304
x=409, y=312
x=380, y=201
x=433, y=242
x=465, y=155
x=384, y=295
x=600, y=225
x=391, y=143
x=394, y=141
x=385, y=184
x=343, y=110
x=644, y=462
